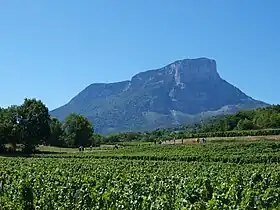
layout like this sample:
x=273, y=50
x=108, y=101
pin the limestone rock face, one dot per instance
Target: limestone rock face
x=179, y=93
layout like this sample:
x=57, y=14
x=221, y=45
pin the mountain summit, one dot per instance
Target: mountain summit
x=179, y=93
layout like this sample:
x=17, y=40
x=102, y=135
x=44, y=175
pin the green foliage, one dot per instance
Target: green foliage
x=29, y=125
x=9, y=127
x=56, y=133
x=262, y=118
x=78, y=131
x=148, y=177
x=121, y=137
x=33, y=123
x=234, y=152
x=96, y=140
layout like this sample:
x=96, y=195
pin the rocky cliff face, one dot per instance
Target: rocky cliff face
x=176, y=94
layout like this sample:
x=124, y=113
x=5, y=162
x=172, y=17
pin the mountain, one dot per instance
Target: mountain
x=182, y=92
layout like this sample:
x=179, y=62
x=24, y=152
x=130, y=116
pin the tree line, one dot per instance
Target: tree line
x=30, y=124
x=258, y=119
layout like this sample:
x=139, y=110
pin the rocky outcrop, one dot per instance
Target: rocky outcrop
x=176, y=94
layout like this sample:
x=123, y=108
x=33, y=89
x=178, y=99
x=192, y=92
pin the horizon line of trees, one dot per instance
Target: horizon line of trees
x=30, y=125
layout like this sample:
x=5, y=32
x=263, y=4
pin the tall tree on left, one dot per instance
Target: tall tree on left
x=33, y=123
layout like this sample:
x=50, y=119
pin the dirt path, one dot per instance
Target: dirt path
x=245, y=138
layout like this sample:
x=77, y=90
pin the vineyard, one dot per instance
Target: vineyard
x=237, y=175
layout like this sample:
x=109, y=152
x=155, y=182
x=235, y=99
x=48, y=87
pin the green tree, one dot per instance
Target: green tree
x=33, y=122
x=96, y=140
x=245, y=125
x=9, y=127
x=275, y=120
x=113, y=138
x=78, y=130
x=56, y=133
x=2, y=130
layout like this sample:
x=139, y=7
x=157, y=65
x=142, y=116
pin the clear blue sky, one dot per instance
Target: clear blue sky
x=52, y=49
